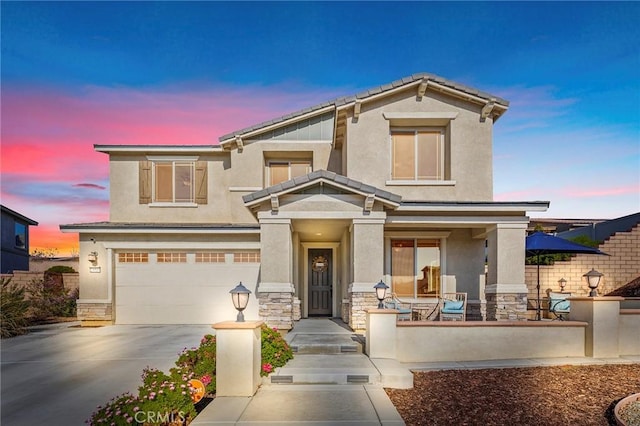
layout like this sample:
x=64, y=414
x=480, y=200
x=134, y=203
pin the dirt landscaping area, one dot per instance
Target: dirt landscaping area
x=565, y=395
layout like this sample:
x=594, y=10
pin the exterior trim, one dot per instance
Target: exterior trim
x=110, y=149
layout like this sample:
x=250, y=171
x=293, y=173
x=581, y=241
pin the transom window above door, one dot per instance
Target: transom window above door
x=417, y=155
x=281, y=171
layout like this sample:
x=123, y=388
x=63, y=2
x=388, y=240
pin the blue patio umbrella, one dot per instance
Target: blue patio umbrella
x=540, y=243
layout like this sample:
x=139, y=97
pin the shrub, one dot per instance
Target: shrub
x=49, y=298
x=167, y=396
x=120, y=410
x=200, y=362
x=13, y=309
x=61, y=269
x=275, y=350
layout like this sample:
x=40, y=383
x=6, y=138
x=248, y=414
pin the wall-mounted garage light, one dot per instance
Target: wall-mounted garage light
x=93, y=258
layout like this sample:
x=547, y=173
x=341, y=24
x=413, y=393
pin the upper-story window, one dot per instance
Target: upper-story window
x=281, y=171
x=417, y=154
x=173, y=181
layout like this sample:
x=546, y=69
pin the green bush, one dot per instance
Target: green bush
x=275, y=350
x=198, y=363
x=49, y=298
x=61, y=269
x=13, y=309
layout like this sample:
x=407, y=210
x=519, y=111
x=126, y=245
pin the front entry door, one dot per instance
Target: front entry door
x=320, y=285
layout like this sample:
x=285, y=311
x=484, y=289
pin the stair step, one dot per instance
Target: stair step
x=348, y=368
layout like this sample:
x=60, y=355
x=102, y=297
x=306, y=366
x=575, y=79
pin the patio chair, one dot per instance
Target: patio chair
x=394, y=303
x=453, y=307
x=559, y=306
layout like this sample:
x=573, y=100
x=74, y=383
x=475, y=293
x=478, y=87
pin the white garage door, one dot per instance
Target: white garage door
x=181, y=287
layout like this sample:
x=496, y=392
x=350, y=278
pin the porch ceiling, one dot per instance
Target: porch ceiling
x=320, y=229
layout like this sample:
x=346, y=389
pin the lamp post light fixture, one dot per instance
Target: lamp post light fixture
x=593, y=278
x=562, y=282
x=381, y=292
x=240, y=298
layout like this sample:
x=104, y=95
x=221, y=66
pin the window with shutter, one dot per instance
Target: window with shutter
x=173, y=181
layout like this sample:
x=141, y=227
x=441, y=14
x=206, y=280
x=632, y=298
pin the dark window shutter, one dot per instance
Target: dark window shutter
x=145, y=182
x=201, y=182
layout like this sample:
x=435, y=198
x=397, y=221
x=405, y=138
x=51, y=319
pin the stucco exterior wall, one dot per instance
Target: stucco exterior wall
x=465, y=262
x=629, y=329
x=469, y=139
x=485, y=341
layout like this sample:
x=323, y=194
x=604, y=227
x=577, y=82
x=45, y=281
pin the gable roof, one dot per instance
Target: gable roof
x=431, y=80
x=18, y=216
x=317, y=176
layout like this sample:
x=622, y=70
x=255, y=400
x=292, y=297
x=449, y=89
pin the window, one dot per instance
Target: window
x=246, y=257
x=181, y=181
x=171, y=257
x=173, y=181
x=21, y=236
x=281, y=171
x=415, y=267
x=133, y=257
x=210, y=257
x=417, y=154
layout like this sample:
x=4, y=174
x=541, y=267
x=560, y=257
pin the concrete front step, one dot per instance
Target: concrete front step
x=327, y=369
x=319, y=343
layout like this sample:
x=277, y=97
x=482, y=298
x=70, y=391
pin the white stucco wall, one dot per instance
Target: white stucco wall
x=486, y=341
x=469, y=139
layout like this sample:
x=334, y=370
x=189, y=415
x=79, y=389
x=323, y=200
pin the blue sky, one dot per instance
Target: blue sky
x=75, y=74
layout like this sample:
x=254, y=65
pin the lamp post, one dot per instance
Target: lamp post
x=593, y=278
x=562, y=282
x=240, y=298
x=381, y=292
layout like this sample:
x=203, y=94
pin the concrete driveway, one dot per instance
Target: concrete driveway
x=58, y=375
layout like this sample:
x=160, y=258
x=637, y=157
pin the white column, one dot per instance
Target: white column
x=238, y=357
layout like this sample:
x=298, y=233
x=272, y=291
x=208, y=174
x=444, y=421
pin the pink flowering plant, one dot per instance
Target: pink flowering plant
x=275, y=350
x=160, y=393
x=199, y=363
x=119, y=411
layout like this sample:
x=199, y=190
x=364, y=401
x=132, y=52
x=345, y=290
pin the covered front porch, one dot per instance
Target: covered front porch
x=327, y=240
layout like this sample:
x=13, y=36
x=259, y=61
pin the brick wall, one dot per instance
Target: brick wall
x=622, y=266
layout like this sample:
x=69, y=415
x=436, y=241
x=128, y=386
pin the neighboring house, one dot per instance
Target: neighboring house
x=316, y=207
x=15, y=241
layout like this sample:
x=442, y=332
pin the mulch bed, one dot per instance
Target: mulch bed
x=564, y=395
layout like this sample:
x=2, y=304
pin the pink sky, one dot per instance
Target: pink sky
x=50, y=171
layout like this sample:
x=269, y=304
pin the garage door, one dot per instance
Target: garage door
x=174, y=287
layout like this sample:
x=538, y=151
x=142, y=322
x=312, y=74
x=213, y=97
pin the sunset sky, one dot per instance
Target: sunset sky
x=77, y=74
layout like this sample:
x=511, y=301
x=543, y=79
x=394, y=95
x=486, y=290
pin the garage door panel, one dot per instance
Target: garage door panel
x=181, y=293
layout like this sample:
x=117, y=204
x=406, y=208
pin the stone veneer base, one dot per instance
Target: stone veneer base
x=506, y=306
x=359, y=303
x=276, y=309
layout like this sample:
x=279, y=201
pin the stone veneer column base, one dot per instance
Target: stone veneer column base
x=94, y=313
x=506, y=306
x=276, y=309
x=476, y=310
x=360, y=302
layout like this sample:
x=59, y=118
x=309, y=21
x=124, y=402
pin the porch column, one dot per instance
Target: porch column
x=367, y=243
x=275, y=292
x=506, y=290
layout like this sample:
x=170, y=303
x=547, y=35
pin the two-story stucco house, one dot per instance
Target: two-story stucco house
x=312, y=210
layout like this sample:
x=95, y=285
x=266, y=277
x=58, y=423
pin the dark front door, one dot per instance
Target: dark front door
x=320, y=286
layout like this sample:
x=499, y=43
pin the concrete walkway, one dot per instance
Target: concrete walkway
x=329, y=382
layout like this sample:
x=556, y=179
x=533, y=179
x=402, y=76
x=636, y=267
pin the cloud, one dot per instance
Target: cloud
x=89, y=185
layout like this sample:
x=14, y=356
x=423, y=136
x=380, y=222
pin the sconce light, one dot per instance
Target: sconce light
x=381, y=292
x=593, y=278
x=93, y=258
x=240, y=299
x=562, y=282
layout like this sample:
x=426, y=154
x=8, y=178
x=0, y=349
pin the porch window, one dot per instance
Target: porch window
x=417, y=154
x=415, y=267
x=173, y=181
x=281, y=171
